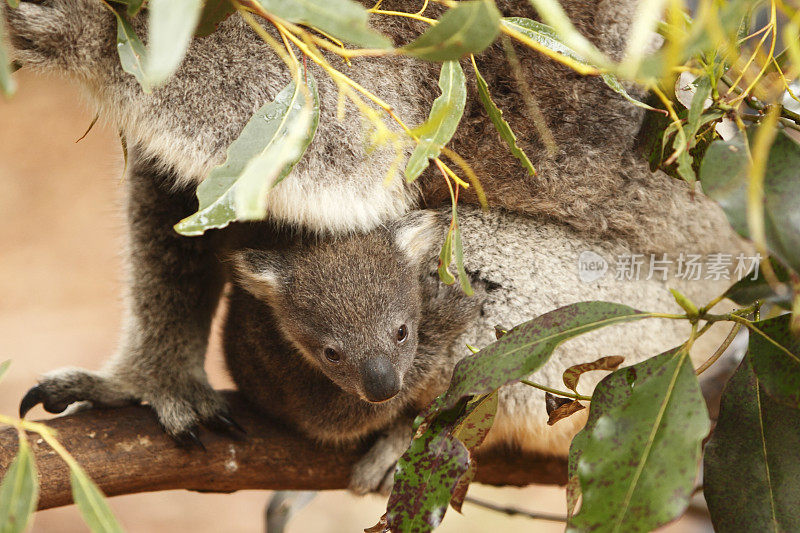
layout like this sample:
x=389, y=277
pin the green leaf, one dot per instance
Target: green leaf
x=775, y=356
x=13, y=3
x=458, y=251
x=724, y=176
x=92, y=503
x=437, y=467
x=612, y=391
x=468, y=28
x=132, y=54
x=134, y=6
x=171, y=28
x=427, y=476
x=641, y=456
x=747, y=290
x=7, y=84
x=473, y=427
x=751, y=475
x=214, y=12
x=445, y=258
x=701, y=94
x=19, y=491
x=344, y=19
x=547, y=37
x=528, y=346
x=443, y=120
x=271, y=143
x=500, y=124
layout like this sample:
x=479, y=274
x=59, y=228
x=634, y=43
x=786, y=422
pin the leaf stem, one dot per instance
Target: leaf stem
x=557, y=392
x=719, y=351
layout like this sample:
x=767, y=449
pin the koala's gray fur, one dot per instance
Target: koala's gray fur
x=292, y=301
x=289, y=302
x=177, y=133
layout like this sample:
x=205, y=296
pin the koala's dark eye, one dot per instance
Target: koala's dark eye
x=402, y=334
x=332, y=355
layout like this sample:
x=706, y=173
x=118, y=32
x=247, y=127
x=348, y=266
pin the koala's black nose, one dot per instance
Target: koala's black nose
x=380, y=379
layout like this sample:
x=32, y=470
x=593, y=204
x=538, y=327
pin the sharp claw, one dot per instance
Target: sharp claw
x=229, y=423
x=189, y=439
x=32, y=398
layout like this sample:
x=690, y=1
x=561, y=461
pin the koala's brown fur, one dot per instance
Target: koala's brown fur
x=294, y=300
x=178, y=132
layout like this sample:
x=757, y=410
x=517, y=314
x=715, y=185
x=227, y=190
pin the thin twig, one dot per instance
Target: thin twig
x=514, y=511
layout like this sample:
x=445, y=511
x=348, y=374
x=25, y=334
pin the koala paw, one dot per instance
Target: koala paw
x=181, y=405
x=375, y=471
x=369, y=477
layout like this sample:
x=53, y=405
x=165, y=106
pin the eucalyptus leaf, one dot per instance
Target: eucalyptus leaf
x=500, y=124
x=4, y=368
x=573, y=374
x=445, y=259
x=134, y=6
x=701, y=94
x=638, y=465
x=19, y=491
x=13, y=3
x=92, y=503
x=344, y=19
x=171, y=27
x=269, y=146
x=528, y=346
x=214, y=12
x=427, y=475
x=468, y=28
x=751, y=475
x=612, y=391
x=458, y=252
x=747, y=290
x=443, y=120
x=547, y=37
x=724, y=176
x=132, y=53
x=437, y=468
x=7, y=84
x=775, y=356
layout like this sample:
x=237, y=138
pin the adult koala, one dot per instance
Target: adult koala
x=178, y=133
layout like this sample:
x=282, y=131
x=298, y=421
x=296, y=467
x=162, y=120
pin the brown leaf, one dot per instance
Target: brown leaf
x=380, y=527
x=568, y=409
x=460, y=492
x=573, y=373
x=552, y=402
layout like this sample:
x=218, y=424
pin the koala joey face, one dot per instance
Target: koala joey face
x=352, y=305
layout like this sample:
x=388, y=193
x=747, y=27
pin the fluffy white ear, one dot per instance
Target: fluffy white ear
x=417, y=234
x=258, y=271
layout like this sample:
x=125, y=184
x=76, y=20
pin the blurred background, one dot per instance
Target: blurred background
x=61, y=232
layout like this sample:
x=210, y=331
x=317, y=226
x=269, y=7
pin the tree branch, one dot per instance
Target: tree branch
x=125, y=451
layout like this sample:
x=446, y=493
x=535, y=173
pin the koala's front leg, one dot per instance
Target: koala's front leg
x=174, y=286
x=375, y=471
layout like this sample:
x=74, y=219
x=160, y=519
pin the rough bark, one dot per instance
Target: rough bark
x=125, y=451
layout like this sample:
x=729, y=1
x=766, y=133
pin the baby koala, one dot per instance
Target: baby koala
x=343, y=338
x=347, y=338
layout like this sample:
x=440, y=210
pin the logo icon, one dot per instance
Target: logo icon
x=591, y=266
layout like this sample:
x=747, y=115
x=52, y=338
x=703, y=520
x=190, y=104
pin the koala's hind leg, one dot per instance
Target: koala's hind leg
x=174, y=286
x=375, y=471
